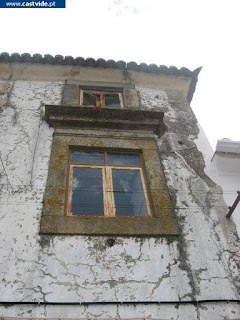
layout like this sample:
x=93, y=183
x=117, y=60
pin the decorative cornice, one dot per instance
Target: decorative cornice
x=89, y=117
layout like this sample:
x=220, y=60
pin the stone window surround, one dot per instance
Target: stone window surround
x=68, y=135
x=129, y=95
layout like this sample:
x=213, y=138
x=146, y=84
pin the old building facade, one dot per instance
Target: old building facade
x=171, y=255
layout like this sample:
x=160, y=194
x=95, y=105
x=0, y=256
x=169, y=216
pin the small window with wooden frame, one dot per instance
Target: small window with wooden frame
x=101, y=99
x=107, y=184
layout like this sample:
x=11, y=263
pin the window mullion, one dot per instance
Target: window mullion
x=111, y=203
x=105, y=192
x=69, y=204
x=102, y=100
x=145, y=193
x=121, y=100
x=81, y=97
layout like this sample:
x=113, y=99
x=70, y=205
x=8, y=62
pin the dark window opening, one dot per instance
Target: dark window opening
x=101, y=99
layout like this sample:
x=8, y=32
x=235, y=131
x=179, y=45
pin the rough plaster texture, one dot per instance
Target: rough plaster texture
x=203, y=311
x=224, y=169
x=40, y=72
x=201, y=264
x=228, y=167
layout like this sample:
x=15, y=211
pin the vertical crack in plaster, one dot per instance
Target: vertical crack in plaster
x=40, y=109
x=196, y=184
x=185, y=163
x=5, y=172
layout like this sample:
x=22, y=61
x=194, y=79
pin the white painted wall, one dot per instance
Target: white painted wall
x=201, y=264
x=228, y=167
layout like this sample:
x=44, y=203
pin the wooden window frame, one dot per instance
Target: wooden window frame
x=107, y=183
x=102, y=93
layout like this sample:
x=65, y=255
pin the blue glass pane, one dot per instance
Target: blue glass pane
x=128, y=193
x=87, y=192
x=124, y=159
x=87, y=157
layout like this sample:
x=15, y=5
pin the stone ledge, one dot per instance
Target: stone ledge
x=120, y=226
x=90, y=117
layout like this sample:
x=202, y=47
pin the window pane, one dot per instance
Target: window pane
x=87, y=192
x=124, y=159
x=87, y=157
x=112, y=101
x=90, y=99
x=128, y=193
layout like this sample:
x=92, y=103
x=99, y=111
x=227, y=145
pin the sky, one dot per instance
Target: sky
x=183, y=33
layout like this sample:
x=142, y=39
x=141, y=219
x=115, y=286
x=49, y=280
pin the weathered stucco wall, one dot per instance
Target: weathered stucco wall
x=201, y=264
x=41, y=72
x=224, y=169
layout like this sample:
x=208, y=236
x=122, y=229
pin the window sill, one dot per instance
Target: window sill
x=119, y=226
x=88, y=117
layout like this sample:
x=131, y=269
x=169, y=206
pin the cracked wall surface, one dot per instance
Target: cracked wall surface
x=201, y=264
x=224, y=169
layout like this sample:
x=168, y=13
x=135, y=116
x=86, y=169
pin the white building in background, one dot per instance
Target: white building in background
x=227, y=161
x=223, y=167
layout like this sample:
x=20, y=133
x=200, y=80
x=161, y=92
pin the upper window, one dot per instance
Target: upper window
x=101, y=99
x=107, y=184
